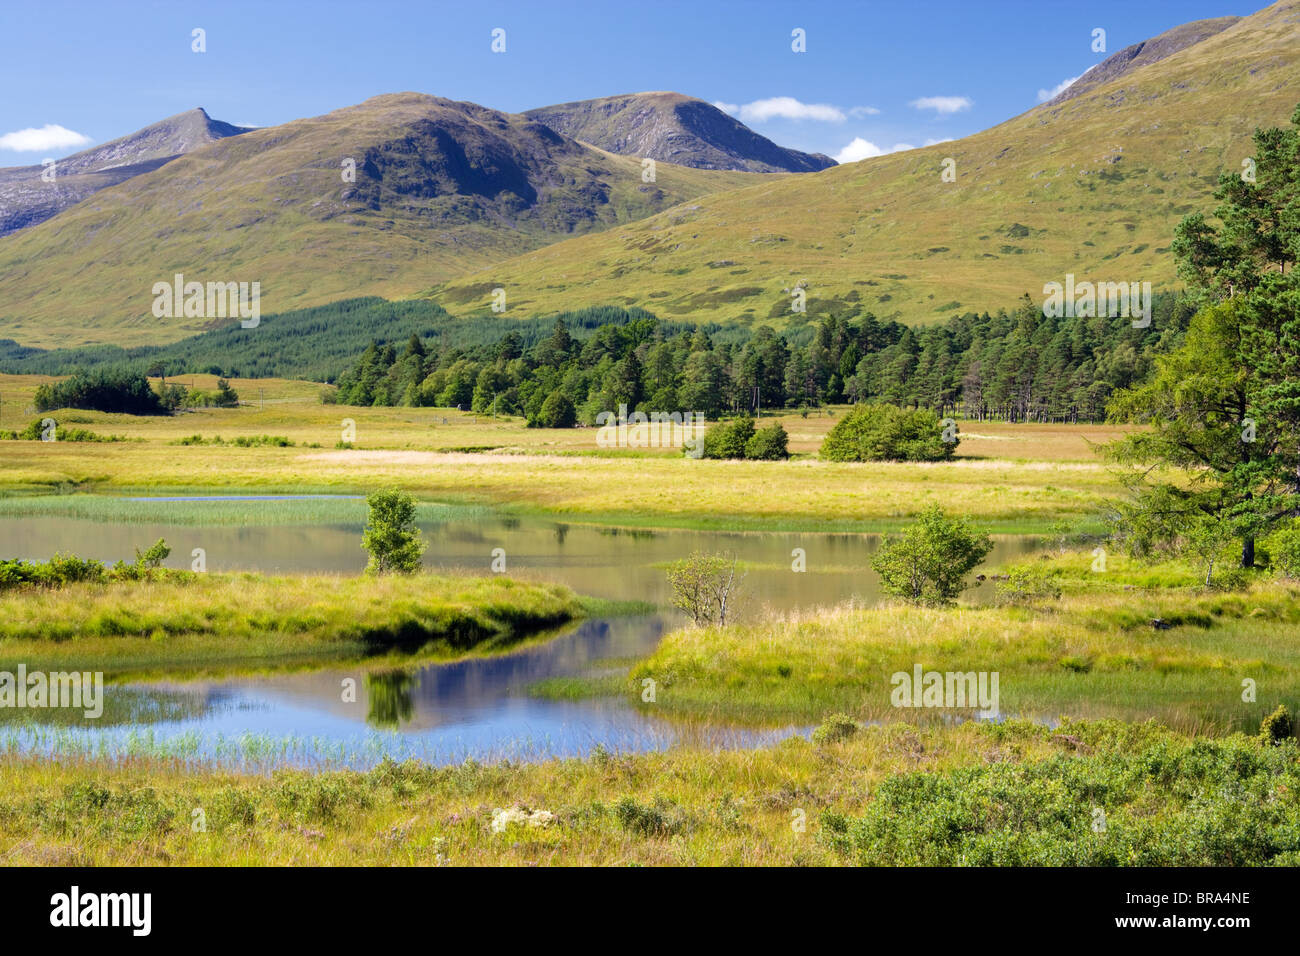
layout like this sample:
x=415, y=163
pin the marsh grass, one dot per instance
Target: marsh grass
x=191, y=620
x=1095, y=652
x=881, y=795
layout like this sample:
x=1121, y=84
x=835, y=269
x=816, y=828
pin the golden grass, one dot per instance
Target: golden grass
x=1017, y=477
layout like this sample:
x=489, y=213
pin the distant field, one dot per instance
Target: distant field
x=1014, y=477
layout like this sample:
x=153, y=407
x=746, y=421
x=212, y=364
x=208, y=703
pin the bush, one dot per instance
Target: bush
x=768, y=444
x=705, y=587
x=835, y=728
x=103, y=391
x=1277, y=726
x=557, y=412
x=391, y=536
x=728, y=439
x=887, y=433
x=927, y=564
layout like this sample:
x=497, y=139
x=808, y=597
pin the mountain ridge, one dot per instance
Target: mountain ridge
x=672, y=127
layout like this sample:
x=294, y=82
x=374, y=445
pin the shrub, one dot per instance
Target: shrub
x=887, y=433
x=927, y=564
x=835, y=728
x=704, y=586
x=557, y=412
x=1277, y=726
x=728, y=439
x=391, y=536
x=768, y=444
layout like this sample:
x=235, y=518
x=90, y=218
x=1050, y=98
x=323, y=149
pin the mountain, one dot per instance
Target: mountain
x=675, y=129
x=1141, y=54
x=1091, y=184
x=26, y=199
x=437, y=188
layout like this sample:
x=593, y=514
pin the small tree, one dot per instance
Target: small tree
x=728, y=439
x=557, y=411
x=391, y=536
x=928, y=562
x=705, y=586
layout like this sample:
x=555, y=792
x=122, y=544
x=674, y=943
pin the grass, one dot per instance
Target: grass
x=1093, y=653
x=1010, y=478
x=195, y=622
x=972, y=793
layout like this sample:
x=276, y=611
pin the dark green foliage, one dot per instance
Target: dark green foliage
x=105, y=390
x=728, y=439
x=1225, y=406
x=557, y=412
x=886, y=433
x=769, y=443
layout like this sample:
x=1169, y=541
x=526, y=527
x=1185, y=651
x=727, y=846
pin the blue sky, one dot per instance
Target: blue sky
x=904, y=72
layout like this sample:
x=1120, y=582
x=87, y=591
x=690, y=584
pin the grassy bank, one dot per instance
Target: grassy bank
x=1093, y=652
x=957, y=794
x=193, y=621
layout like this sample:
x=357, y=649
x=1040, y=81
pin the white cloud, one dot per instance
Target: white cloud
x=943, y=104
x=936, y=142
x=863, y=149
x=1057, y=90
x=46, y=139
x=787, y=107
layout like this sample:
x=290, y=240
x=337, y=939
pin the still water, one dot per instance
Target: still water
x=442, y=713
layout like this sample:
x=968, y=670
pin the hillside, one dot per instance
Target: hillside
x=440, y=188
x=673, y=128
x=26, y=199
x=1091, y=184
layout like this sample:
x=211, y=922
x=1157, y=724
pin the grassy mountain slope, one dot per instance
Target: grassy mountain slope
x=26, y=199
x=673, y=128
x=1092, y=185
x=440, y=187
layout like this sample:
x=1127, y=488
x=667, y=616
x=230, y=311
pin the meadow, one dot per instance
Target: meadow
x=1008, y=793
x=1020, y=478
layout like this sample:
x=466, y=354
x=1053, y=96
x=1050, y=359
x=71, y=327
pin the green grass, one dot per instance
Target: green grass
x=188, y=622
x=1093, y=653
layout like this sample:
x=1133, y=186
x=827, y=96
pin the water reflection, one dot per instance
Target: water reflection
x=479, y=707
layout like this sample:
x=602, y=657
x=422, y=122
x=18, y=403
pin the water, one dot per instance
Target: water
x=442, y=713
